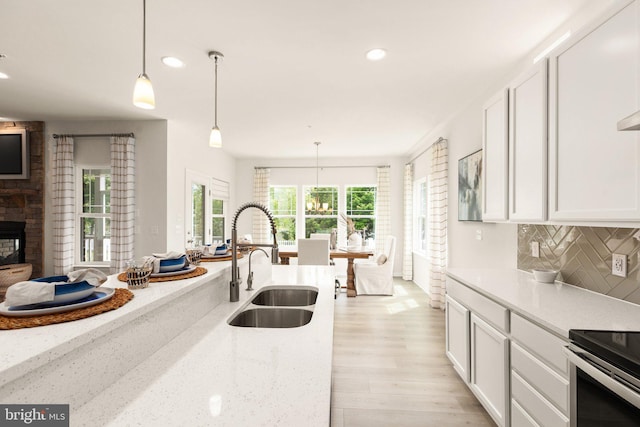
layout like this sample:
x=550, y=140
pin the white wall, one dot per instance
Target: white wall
x=346, y=175
x=188, y=148
x=151, y=171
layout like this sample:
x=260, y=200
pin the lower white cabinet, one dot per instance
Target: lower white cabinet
x=457, y=337
x=490, y=369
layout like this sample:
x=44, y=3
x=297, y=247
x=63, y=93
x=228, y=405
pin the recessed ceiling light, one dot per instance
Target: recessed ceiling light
x=376, y=54
x=172, y=61
x=3, y=76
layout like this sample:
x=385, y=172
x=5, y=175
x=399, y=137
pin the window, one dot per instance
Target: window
x=321, y=210
x=282, y=204
x=94, y=215
x=420, y=240
x=361, y=207
x=207, y=210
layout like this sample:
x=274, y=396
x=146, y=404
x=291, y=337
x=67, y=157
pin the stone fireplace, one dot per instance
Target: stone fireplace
x=22, y=202
x=12, y=242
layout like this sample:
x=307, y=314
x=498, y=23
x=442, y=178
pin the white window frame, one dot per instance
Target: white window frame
x=213, y=189
x=78, y=178
x=374, y=216
x=294, y=216
x=303, y=209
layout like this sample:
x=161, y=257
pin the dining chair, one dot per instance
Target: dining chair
x=327, y=236
x=375, y=277
x=313, y=252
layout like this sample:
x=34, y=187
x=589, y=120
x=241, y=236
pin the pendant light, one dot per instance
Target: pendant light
x=143, y=91
x=215, y=139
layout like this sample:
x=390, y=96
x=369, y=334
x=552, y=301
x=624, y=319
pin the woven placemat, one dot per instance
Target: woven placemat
x=222, y=258
x=199, y=271
x=119, y=298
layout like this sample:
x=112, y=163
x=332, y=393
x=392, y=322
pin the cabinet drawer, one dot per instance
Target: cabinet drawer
x=545, y=380
x=485, y=308
x=544, y=413
x=520, y=418
x=541, y=343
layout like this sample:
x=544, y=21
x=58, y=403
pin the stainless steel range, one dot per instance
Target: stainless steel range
x=605, y=378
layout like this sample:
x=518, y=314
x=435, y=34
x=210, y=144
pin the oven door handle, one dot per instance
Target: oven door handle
x=615, y=386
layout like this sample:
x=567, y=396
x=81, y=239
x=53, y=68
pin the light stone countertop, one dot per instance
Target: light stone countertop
x=24, y=350
x=557, y=307
x=217, y=374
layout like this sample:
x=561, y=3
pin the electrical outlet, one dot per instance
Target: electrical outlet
x=619, y=265
x=619, y=338
x=479, y=234
x=535, y=249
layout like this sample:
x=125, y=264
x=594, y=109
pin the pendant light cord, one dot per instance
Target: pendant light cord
x=215, y=117
x=144, y=36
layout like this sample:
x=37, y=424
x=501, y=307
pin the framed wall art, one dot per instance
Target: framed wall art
x=470, y=187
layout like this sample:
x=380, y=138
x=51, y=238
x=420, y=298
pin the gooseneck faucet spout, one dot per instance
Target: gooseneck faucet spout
x=234, y=285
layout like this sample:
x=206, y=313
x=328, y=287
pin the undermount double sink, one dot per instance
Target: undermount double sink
x=278, y=307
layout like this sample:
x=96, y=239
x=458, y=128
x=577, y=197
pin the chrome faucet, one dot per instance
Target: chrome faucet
x=250, y=277
x=234, y=290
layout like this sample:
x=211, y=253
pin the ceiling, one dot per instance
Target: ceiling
x=294, y=71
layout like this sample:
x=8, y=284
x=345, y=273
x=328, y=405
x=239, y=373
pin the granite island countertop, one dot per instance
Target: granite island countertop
x=557, y=307
x=217, y=374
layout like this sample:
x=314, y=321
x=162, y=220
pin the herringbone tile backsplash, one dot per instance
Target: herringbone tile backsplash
x=583, y=256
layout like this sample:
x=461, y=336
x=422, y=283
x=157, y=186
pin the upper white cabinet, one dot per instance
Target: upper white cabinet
x=594, y=170
x=495, y=157
x=528, y=146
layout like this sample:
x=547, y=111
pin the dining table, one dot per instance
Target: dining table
x=349, y=254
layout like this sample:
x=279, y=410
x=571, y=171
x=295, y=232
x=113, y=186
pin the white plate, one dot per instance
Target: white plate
x=100, y=295
x=183, y=270
x=215, y=256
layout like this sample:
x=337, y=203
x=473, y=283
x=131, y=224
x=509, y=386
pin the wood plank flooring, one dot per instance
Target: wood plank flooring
x=389, y=365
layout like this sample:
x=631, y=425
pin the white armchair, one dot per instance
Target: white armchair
x=375, y=277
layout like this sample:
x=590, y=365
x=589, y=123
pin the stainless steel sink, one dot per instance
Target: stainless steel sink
x=286, y=297
x=272, y=318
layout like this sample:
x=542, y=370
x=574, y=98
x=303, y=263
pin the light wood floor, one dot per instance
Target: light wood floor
x=389, y=366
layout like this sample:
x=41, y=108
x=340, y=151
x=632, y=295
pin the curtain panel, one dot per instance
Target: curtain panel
x=122, y=201
x=407, y=250
x=437, y=222
x=383, y=207
x=261, y=229
x=63, y=205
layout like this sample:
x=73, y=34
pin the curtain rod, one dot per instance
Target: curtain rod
x=92, y=135
x=321, y=167
x=425, y=150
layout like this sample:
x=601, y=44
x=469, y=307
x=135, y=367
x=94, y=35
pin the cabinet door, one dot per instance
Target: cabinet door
x=495, y=157
x=528, y=146
x=594, y=82
x=490, y=369
x=457, y=337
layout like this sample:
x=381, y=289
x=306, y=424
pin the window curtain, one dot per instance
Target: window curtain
x=122, y=201
x=383, y=207
x=63, y=205
x=437, y=222
x=261, y=227
x=407, y=252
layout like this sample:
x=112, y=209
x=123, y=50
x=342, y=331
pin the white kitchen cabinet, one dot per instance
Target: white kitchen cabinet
x=528, y=146
x=490, y=369
x=457, y=337
x=594, y=81
x=495, y=157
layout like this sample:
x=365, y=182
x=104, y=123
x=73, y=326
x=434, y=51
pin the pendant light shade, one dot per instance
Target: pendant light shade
x=215, y=138
x=143, y=91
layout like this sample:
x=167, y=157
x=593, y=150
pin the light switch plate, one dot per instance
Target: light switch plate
x=619, y=265
x=535, y=249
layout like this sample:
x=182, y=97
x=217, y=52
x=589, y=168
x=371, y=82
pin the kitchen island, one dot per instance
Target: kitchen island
x=205, y=372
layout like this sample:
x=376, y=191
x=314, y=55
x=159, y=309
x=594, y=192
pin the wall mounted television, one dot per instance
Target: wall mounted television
x=14, y=154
